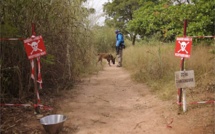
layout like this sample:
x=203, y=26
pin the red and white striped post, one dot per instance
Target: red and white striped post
x=37, y=104
x=181, y=98
x=6, y=39
x=182, y=69
x=180, y=90
x=34, y=77
x=202, y=37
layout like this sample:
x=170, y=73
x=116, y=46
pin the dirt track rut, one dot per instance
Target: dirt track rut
x=111, y=103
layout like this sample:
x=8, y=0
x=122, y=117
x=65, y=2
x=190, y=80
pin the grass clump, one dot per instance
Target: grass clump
x=155, y=65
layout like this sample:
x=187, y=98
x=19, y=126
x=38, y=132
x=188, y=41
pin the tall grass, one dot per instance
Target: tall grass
x=155, y=65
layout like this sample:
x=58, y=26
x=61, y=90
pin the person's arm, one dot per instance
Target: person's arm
x=120, y=38
x=117, y=43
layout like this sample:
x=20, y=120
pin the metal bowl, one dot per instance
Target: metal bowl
x=53, y=124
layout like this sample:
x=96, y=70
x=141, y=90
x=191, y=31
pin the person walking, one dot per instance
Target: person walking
x=119, y=46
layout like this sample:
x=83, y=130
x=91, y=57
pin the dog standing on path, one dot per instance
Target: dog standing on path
x=109, y=57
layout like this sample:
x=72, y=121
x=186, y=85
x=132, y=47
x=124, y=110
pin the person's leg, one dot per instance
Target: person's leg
x=120, y=58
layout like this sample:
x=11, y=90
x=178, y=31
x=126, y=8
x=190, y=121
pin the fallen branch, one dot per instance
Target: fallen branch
x=10, y=127
x=138, y=124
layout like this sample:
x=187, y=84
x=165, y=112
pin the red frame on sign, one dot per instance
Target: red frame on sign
x=183, y=47
x=34, y=47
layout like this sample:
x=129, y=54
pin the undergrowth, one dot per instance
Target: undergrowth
x=154, y=63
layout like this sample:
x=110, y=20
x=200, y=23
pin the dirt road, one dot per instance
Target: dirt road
x=111, y=103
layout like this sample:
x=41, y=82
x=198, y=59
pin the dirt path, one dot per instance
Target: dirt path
x=111, y=103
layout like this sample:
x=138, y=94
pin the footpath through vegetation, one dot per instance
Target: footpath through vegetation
x=111, y=103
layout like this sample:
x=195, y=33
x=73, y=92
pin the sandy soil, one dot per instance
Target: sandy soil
x=111, y=103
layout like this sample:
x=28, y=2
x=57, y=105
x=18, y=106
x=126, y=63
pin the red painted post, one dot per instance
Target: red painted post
x=33, y=29
x=185, y=28
x=182, y=68
x=37, y=104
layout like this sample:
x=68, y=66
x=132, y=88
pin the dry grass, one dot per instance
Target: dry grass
x=156, y=65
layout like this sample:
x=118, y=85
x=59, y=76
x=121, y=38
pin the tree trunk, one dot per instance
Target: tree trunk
x=134, y=39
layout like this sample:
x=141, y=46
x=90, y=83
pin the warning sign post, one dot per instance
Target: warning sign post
x=34, y=47
x=183, y=47
x=184, y=79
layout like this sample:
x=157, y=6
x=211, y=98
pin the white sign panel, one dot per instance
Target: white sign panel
x=184, y=79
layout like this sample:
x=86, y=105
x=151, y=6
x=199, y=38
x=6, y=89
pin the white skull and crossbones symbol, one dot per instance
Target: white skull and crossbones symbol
x=34, y=46
x=183, y=46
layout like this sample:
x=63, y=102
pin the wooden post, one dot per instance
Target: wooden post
x=183, y=68
x=184, y=100
x=180, y=90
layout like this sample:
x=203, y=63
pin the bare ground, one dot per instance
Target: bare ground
x=111, y=103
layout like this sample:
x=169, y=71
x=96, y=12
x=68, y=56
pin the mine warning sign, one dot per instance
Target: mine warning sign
x=183, y=47
x=34, y=47
x=184, y=79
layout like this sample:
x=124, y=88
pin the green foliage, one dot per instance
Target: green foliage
x=143, y=24
x=67, y=37
x=120, y=12
x=104, y=39
x=49, y=59
x=168, y=19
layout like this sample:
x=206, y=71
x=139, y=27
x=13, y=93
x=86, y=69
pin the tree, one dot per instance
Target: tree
x=166, y=17
x=119, y=13
x=146, y=20
x=104, y=42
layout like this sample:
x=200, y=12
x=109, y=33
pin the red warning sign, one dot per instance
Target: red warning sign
x=34, y=47
x=183, y=47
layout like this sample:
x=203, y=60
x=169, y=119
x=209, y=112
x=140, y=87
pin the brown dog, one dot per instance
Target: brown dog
x=109, y=57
